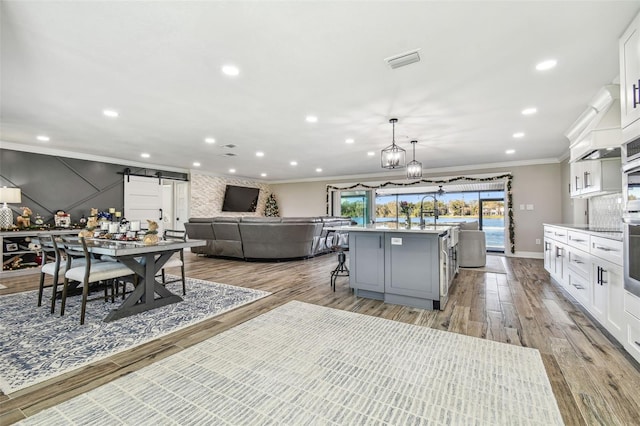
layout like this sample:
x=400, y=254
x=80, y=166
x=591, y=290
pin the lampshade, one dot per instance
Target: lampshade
x=393, y=157
x=10, y=195
x=414, y=168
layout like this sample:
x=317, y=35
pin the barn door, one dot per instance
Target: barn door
x=143, y=200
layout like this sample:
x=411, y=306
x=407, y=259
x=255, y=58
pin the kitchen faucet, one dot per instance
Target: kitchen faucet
x=435, y=210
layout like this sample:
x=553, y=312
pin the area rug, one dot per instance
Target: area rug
x=35, y=345
x=305, y=364
x=494, y=264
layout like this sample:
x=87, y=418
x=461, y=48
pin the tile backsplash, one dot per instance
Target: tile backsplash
x=606, y=211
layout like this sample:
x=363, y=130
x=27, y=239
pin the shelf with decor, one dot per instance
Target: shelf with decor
x=18, y=257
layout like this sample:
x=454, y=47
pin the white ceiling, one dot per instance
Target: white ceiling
x=158, y=64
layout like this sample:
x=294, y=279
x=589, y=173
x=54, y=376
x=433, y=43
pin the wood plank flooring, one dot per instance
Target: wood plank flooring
x=593, y=379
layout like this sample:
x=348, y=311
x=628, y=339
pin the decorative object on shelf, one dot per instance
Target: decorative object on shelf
x=393, y=157
x=414, y=168
x=39, y=221
x=8, y=195
x=62, y=219
x=508, y=177
x=83, y=220
x=271, y=207
x=405, y=208
x=24, y=220
x=151, y=237
x=88, y=232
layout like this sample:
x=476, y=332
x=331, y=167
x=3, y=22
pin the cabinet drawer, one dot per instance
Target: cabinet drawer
x=558, y=234
x=579, y=261
x=578, y=240
x=579, y=287
x=606, y=249
x=632, y=341
x=632, y=305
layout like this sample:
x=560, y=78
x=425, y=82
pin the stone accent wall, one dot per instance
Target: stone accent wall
x=606, y=211
x=207, y=195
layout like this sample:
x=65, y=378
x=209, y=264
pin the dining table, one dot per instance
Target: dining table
x=145, y=261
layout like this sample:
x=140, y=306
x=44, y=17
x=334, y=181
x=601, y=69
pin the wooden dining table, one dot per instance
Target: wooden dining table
x=145, y=261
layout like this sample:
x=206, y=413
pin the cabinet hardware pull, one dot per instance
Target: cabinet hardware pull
x=579, y=262
x=558, y=251
x=577, y=240
x=604, y=248
x=599, y=275
x=380, y=241
x=637, y=343
x=602, y=272
x=577, y=187
x=579, y=287
x=636, y=101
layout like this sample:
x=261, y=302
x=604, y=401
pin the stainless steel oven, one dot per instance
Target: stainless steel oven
x=631, y=218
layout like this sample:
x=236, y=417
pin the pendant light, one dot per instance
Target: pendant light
x=393, y=157
x=414, y=168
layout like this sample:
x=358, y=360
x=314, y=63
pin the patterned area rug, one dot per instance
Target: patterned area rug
x=35, y=345
x=305, y=364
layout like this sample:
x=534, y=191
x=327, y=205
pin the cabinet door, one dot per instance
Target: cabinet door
x=561, y=262
x=611, y=279
x=591, y=176
x=412, y=265
x=598, y=298
x=630, y=73
x=548, y=256
x=576, y=182
x=366, y=260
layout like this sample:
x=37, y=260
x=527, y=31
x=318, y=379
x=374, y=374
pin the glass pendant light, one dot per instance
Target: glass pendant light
x=414, y=168
x=393, y=157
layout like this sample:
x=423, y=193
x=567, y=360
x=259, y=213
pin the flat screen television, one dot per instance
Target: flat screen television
x=240, y=199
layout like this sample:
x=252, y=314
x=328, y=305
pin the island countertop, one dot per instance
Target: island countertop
x=436, y=230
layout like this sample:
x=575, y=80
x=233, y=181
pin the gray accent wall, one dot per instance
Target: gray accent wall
x=52, y=183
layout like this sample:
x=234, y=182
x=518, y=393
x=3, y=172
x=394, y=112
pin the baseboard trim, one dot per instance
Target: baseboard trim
x=528, y=254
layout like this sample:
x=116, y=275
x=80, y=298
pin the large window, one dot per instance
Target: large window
x=355, y=204
x=485, y=207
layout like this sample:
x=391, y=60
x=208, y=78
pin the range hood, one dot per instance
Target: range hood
x=596, y=133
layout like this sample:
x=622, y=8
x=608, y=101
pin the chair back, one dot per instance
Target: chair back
x=50, y=249
x=75, y=247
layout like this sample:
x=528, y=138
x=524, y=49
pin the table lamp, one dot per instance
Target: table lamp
x=8, y=195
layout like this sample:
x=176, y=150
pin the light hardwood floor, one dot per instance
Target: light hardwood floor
x=593, y=379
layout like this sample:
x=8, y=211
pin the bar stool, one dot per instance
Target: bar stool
x=339, y=244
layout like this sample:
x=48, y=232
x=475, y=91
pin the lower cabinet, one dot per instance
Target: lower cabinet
x=607, y=301
x=631, y=335
x=367, y=272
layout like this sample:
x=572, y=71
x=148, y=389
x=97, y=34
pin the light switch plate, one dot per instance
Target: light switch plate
x=396, y=241
x=529, y=206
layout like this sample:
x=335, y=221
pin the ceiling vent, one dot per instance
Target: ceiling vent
x=229, y=154
x=229, y=145
x=403, y=59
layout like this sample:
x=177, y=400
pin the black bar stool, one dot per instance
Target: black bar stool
x=340, y=244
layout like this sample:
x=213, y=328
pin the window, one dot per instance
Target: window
x=355, y=204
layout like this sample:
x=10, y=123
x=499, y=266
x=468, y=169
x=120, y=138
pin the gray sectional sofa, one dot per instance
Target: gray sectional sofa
x=263, y=238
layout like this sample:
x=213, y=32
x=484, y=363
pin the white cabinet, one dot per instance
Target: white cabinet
x=608, y=277
x=631, y=339
x=556, y=255
x=595, y=177
x=630, y=80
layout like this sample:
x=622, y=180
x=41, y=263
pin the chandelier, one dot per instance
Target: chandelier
x=393, y=157
x=414, y=168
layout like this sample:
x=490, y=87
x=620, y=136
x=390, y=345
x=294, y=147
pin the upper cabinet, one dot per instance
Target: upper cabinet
x=595, y=177
x=630, y=80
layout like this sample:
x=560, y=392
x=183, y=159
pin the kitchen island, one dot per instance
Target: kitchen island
x=402, y=266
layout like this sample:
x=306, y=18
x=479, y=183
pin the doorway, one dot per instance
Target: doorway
x=491, y=219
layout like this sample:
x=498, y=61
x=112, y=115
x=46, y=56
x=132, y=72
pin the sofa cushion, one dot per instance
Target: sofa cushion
x=469, y=226
x=259, y=219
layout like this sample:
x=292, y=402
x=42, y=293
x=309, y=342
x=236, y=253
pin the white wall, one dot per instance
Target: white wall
x=538, y=185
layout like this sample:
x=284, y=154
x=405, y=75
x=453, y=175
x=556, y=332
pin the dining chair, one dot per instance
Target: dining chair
x=100, y=274
x=54, y=264
x=174, y=262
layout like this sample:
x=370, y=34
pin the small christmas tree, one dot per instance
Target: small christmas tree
x=271, y=207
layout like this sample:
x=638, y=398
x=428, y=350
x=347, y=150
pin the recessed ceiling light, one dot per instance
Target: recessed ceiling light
x=371, y=153
x=318, y=170
x=294, y=163
x=546, y=65
x=209, y=140
x=518, y=135
x=230, y=70
x=263, y=174
x=529, y=111
x=145, y=155
x=196, y=164
x=232, y=170
x=43, y=138
x=510, y=151
x=110, y=113
x=259, y=154
x=311, y=119
x=349, y=140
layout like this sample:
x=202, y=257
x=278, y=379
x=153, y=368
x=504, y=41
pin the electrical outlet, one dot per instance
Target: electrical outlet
x=538, y=241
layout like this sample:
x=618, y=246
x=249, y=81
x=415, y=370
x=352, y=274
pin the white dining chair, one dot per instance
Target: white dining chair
x=55, y=265
x=101, y=274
